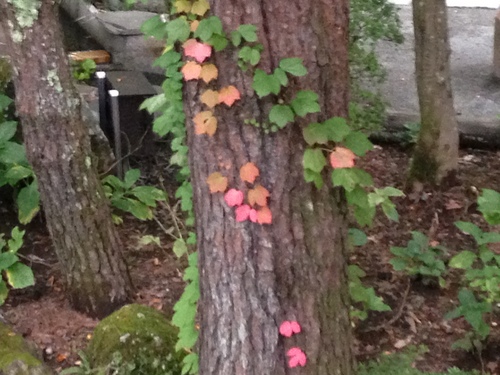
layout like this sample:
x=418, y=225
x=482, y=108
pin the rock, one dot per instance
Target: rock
x=140, y=337
x=17, y=356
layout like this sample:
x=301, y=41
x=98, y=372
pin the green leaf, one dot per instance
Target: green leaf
x=489, y=206
x=155, y=27
x=16, y=239
x=7, y=130
x=248, y=32
x=28, y=203
x=344, y=177
x=390, y=211
x=235, y=38
x=208, y=27
x=219, y=42
x=470, y=228
x=178, y=30
x=490, y=237
x=20, y=276
x=357, y=237
x=281, y=76
x=265, y=84
x=4, y=292
x=180, y=247
x=293, y=66
x=358, y=143
x=281, y=115
x=337, y=129
x=463, y=260
x=334, y=129
x=167, y=59
x=7, y=260
x=305, y=102
x=148, y=195
x=315, y=177
x=16, y=173
x=314, y=160
x=154, y=103
x=5, y=102
x=131, y=177
x=12, y=153
x=398, y=264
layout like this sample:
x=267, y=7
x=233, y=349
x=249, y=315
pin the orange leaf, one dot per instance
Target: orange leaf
x=205, y=123
x=264, y=216
x=61, y=357
x=342, y=157
x=191, y=70
x=258, y=195
x=209, y=72
x=249, y=172
x=217, y=182
x=228, y=95
x=194, y=25
x=200, y=51
x=210, y=98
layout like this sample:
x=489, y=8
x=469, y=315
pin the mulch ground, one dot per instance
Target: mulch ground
x=42, y=314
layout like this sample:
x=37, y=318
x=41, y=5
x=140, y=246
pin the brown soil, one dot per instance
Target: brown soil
x=43, y=315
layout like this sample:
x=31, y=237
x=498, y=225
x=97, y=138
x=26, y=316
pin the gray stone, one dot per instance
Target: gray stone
x=496, y=47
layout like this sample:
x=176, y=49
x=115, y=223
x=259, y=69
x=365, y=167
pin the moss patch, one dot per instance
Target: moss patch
x=5, y=73
x=142, y=337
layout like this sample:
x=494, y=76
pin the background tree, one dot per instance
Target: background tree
x=57, y=145
x=436, y=153
x=253, y=277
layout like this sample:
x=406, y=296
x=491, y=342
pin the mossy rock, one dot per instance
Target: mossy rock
x=17, y=357
x=138, y=339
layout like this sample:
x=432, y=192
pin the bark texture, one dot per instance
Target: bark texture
x=436, y=153
x=58, y=147
x=253, y=277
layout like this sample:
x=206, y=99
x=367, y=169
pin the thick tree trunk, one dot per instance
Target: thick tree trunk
x=436, y=153
x=254, y=276
x=58, y=147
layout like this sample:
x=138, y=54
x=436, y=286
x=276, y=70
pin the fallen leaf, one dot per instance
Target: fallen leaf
x=61, y=357
x=296, y=357
x=258, y=195
x=217, y=182
x=453, y=205
x=205, y=123
x=400, y=344
x=209, y=72
x=199, y=51
x=264, y=216
x=210, y=98
x=342, y=157
x=249, y=172
x=234, y=197
x=191, y=70
x=228, y=95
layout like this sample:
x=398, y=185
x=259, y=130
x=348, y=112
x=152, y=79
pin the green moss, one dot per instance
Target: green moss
x=142, y=336
x=5, y=73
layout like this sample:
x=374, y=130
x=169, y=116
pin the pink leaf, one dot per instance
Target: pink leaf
x=297, y=357
x=200, y=51
x=342, y=157
x=243, y=212
x=253, y=215
x=295, y=327
x=234, y=197
x=286, y=329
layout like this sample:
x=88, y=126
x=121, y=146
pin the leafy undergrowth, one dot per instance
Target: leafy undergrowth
x=418, y=308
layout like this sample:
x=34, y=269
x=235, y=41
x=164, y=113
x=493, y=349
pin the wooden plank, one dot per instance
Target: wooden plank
x=99, y=56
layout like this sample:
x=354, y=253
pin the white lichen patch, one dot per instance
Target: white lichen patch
x=26, y=11
x=53, y=80
x=88, y=162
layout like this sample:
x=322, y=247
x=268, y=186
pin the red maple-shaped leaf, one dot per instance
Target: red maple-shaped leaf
x=243, y=212
x=296, y=357
x=228, y=95
x=342, y=157
x=258, y=195
x=249, y=172
x=217, y=182
x=199, y=51
x=191, y=70
x=234, y=197
x=288, y=328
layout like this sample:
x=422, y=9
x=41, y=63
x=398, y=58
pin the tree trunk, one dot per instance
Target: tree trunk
x=57, y=145
x=253, y=277
x=436, y=153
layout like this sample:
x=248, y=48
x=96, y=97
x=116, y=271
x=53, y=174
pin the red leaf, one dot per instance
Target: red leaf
x=287, y=328
x=342, y=157
x=200, y=51
x=233, y=197
x=264, y=216
x=228, y=95
x=297, y=357
x=252, y=215
x=249, y=172
x=243, y=212
x=217, y=182
x=258, y=195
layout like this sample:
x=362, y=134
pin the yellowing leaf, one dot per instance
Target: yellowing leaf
x=183, y=6
x=191, y=70
x=210, y=98
x=194, y=25
x=342, y=157
x=217, y=182
x=258, y=195
x=205, y=123
x=200, y=7
x=209, y=72
x=228, y=95
x=249, y=172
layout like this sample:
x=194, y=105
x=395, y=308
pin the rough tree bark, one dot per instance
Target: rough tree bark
x=57, y=145
x=436, y=153
x=253, y=276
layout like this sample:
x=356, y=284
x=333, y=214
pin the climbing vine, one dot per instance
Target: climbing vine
x=331, y=142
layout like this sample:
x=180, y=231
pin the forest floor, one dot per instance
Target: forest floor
x=42, y=314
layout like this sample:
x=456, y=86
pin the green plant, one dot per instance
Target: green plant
x=17, y=274
x=419, y=258
x=83, y=70
x=126, y=196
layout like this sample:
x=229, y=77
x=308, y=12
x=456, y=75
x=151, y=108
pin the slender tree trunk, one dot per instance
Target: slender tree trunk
x=436, y=153
x=253, y=277
x=57, y=145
